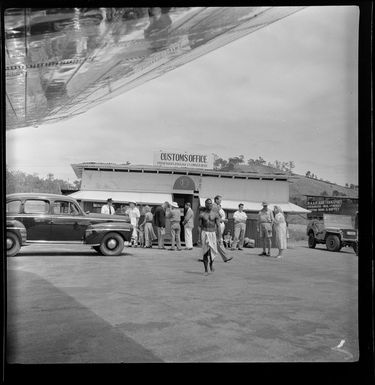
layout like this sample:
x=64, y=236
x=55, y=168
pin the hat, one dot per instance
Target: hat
x=264, y=203
x=109, y=200
x=174, y=204
x=133, y=202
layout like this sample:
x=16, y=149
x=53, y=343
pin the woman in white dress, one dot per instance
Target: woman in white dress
x=149, y=234
x=280, y=230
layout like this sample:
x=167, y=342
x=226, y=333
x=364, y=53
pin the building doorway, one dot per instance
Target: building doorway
x=181, y=200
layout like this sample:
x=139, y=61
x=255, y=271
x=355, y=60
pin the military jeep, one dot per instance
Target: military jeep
x=335, y=231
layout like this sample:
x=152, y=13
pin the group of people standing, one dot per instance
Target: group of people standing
x=143, y=230
x=269, y=221
x=212, y=223
x=173, y=213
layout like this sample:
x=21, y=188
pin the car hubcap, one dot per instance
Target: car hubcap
x=112, y=243
x=10, y=243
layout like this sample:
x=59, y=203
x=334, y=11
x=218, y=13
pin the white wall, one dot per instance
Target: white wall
x=251, y=190
x=231, y=189
x=130, y=181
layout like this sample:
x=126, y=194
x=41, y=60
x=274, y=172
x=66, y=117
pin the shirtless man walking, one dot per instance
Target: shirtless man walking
x=210, y=232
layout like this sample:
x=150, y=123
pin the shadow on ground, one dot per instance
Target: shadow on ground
x=45, y=325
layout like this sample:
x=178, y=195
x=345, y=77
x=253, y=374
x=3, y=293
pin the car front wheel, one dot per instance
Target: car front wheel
x=333, y=243
x=112, y=244
x=13, y=244
x=311, y=241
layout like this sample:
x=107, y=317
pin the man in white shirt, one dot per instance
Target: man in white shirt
x=134, y=215
x=108, y=208
x=240, y=218
x=220, y=244
x=188, y=226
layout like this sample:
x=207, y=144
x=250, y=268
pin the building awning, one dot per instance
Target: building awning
x=257, y=206
x=122, y=197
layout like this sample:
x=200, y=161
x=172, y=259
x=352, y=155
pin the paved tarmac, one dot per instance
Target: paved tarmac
x=66, y=304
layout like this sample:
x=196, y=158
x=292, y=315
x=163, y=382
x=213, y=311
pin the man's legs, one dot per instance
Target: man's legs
x=178, y=238
x=211, y=262
x=160, y=238
x=263, y=240
x=242, y=235
x=221, y=251
x=173, y=236
x=268, y=240
x=135, y=237
x=205, y=262
x=188, y=238
x=237, y=230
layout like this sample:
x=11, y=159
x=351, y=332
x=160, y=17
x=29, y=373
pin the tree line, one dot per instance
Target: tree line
x=231, y=163
x=287, y=167
x=19, y=181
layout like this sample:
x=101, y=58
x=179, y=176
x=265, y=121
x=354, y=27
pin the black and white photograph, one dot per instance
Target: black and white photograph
x=222, y=139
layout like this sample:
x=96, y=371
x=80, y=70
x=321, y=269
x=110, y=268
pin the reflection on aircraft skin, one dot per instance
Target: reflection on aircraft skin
x=63, y=61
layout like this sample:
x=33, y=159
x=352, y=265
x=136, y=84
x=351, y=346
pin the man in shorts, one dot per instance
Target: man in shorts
x=264, y=227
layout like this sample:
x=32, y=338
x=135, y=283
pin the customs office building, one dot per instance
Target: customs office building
x=182, y=178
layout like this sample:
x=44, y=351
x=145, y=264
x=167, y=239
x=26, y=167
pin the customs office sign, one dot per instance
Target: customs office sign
x=183, y=159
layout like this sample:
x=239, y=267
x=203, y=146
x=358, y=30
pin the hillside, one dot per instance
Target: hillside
x=301, y=185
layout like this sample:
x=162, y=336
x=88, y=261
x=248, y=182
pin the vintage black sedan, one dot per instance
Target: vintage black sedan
x=58, y=219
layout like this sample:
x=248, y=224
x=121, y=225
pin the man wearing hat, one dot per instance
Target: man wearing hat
x=174, y=215
x=108, y=208
x=264, y=227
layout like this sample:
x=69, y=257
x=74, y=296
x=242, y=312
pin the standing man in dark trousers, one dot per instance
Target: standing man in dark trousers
x=159, y=219
x=220, y=244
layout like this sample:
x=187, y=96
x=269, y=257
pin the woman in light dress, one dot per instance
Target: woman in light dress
x=280, y=230
x=149, y=233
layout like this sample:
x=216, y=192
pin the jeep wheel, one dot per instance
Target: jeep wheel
x=311, y=241
x=333, y=243
x=13, y=244
x=112, y=244
x=355, y=248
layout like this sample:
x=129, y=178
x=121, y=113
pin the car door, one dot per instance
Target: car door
x=68, y=223
x=36, y=219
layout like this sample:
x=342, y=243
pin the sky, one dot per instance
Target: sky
x=285, y=92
